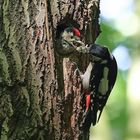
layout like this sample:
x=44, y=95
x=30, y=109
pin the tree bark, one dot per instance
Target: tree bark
x=40, y=98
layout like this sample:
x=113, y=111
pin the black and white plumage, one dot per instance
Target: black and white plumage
x=98, y=80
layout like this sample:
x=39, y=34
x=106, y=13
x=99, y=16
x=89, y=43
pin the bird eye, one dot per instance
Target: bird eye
x=71, y=37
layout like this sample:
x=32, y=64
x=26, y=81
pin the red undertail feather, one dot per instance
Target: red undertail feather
x=87, y=102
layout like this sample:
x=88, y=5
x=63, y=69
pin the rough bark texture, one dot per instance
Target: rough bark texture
x=40, y=99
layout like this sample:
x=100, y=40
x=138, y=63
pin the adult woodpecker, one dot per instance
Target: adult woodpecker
x=97, y=81
x=68, y=40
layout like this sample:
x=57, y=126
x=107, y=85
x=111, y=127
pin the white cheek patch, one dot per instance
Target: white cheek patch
x=68, y=36
x=103, y=86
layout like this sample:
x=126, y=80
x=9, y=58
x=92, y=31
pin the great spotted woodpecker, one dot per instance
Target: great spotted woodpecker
x=97, y=81
x=100, y=75
x=68, y=40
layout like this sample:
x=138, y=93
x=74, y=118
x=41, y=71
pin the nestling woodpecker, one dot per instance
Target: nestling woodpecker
x=97, y=81
x=68, y=41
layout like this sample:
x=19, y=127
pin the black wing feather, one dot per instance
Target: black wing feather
x=99, y=103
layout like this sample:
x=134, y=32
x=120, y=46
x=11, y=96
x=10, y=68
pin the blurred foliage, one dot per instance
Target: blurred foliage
x=109, y=36
x=117, y=121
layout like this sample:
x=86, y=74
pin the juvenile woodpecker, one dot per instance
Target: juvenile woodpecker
x=68, y=40
x=97, y=81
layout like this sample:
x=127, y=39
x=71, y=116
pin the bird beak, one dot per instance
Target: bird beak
x=78, y=43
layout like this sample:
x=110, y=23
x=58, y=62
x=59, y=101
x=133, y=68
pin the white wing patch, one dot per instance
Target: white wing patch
x=86, y=77
x=103, y=86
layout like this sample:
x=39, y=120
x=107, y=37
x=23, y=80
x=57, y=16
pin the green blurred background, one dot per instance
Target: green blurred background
x=120, y=25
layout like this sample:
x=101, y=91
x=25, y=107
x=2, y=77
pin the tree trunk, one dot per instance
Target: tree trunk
x=40, y=98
